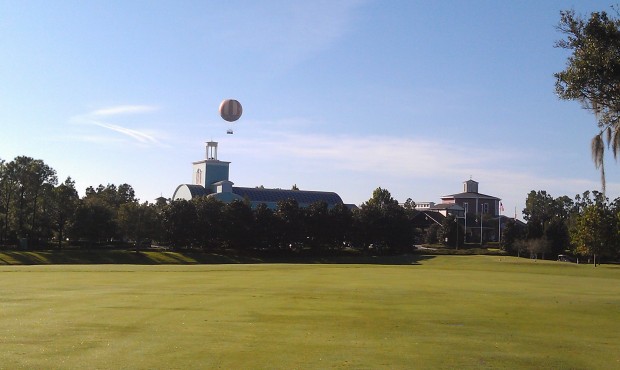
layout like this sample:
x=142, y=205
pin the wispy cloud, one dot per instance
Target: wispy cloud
x=135, y=134
x=426, y=168
x=101, y=117
x=380, y=154
x=123, y=109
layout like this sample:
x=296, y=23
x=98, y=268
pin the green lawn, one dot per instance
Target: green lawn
x=450, y=312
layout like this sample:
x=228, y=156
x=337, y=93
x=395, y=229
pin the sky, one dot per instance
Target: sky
x=415, y=97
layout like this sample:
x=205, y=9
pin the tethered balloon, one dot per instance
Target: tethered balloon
x=230, y=110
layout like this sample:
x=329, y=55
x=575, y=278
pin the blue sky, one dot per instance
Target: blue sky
x=347, y=96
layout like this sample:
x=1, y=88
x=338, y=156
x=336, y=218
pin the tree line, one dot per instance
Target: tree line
x=587, y=226
x=38, y=212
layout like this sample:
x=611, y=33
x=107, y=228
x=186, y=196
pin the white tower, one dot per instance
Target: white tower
x=212, y=150
x=210, y=170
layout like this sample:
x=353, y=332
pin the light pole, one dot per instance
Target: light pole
x=465, y=236
x=481, y=225
x=456, y=219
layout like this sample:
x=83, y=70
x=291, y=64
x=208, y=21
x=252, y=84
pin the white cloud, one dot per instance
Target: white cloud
x=96, y=118
x=424, y=169
x=135, y=134
x=379, y=154
x=123, y=109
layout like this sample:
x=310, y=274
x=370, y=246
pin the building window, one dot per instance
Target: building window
x=466, y=206
x=198, y=177
x=485, y=207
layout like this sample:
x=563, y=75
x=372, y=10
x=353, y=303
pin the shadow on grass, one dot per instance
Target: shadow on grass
x=148, y=257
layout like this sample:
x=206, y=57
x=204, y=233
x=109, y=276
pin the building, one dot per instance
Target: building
x=424, y=206
x=472, y=201
x=448, y=209
x=210, y=177
x=478, y=214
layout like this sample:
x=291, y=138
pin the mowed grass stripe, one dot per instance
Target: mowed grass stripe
x=444, y=312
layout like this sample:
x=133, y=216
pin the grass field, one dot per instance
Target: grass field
x=443, y=312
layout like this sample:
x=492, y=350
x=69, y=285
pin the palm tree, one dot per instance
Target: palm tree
x=592, y=76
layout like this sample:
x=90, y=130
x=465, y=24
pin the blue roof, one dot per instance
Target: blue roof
x=260, y=195
x=197, y=190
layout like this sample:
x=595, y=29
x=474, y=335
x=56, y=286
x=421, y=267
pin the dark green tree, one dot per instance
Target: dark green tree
x=290, y=222
x=137, y=222
x=31, y=178
x=432, y=234
x=409, y=205
x=451, y=233
x=557, y=236
x=238, y=225
x=513, y=232
x=381, y=197
x=539, y=210
x=265, y=229
x=209, y=226
x=93, y=222
x=317, y=226
x=179, y=223
x=382, y=222
x=8, y=191
x=64, y=205
x=340, y=226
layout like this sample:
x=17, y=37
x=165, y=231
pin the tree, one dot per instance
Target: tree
x=290, y=223
x=557, y=236
x=30, y=178
x=513, y=232
x=451, y=233
x=112, y=195
x=340, y=225
x=208, y=227
x=592, y=76
x=179, y=220
x=381, y=197
x=432, y=234
x=65, y=202
x=383, y=223
x=238, y=224
x=536, y=246
x=8, y=189
x=409, y=205
x=593, y=232
x=94, y=221
x=264, y=230
x=539, y=209
x=137, y=222
x=317, y=225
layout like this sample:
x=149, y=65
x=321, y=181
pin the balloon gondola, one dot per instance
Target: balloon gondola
x=230, y=110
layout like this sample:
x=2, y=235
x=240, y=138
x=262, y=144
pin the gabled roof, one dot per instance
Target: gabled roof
x=469, y=195
x=428, y=217
x=442, y=206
